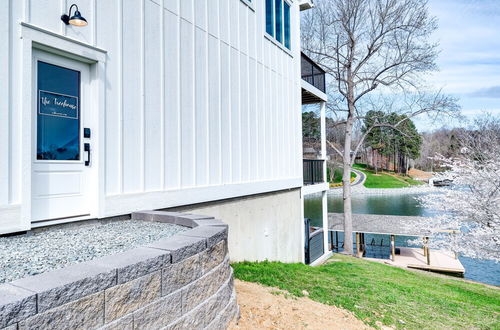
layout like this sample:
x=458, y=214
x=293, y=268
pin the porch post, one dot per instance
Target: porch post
x=393, y=248
x=324, y=195
x=324, y=213
x=323, y=137
x=358, y=246
x=428, y=251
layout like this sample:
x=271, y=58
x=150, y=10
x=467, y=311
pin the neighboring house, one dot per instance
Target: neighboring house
x=164, y=104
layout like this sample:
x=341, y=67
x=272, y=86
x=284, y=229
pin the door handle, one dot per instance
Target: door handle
x=86, y=148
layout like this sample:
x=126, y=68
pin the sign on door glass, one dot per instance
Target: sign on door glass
x=58, y=115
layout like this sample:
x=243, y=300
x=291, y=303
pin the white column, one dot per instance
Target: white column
x=323, y=133
x=324, y=205
x=324, y=194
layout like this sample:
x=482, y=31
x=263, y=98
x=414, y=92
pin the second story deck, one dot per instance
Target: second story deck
x=315, y=77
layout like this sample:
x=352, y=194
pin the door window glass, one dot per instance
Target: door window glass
x=58, y=113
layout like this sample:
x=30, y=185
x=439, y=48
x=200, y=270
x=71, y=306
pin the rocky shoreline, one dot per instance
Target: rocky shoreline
x=362, y=190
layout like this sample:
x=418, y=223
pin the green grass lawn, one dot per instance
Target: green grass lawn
x=379, y=293
x=384, y=180
x=337, y=175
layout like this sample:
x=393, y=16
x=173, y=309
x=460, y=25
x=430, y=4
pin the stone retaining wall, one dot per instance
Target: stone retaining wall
x=180, y=282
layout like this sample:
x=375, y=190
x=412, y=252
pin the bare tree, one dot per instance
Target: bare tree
x=444, y=142
x=368, y=46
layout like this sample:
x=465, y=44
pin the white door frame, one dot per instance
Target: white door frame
x=76, y=205
x=37, y=38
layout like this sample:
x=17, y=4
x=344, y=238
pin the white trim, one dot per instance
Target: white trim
x=277, y=43
x=45, y=223
x=9, y=219
x=322, y=259
x=128, y=203
x=313, y=90
x=315, y=188
x=46, y=37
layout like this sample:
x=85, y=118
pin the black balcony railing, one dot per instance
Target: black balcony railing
x=313, y=171
x=313, y=73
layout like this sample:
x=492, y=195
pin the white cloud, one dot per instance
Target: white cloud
x=469, y=37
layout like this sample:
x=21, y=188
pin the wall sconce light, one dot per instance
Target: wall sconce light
x=77, y=19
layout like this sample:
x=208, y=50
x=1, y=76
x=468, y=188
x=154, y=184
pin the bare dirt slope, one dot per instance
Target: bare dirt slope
x=418, y=174
x=268, y=308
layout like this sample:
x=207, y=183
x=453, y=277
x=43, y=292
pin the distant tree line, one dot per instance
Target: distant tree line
x=442, y=141
x=400, y=145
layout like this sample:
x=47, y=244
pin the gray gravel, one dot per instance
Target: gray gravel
x=25, y=255
x=362, y=190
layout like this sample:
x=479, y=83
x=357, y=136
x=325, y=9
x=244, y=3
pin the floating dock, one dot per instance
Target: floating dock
x=418, y=258
x=440, y=261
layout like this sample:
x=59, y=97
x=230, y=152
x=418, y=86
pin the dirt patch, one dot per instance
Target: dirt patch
x=418, y=174
x=268, y=308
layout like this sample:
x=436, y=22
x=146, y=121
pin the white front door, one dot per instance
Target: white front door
x=61, y=153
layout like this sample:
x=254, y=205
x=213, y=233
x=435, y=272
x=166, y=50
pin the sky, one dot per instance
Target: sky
x=469, y=61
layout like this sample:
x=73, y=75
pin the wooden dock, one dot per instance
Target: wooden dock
x=440, y=261
x=419, y=258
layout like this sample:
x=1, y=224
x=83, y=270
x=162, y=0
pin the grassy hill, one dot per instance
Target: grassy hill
x=384, y=295
x=385, y=179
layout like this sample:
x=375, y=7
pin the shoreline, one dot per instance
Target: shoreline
x=362, y=190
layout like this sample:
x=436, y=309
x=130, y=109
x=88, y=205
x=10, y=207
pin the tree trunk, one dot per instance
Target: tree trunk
x=346, y=178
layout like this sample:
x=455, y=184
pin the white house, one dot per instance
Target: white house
x=155, y=104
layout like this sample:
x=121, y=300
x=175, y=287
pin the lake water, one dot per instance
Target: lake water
x=401, y=204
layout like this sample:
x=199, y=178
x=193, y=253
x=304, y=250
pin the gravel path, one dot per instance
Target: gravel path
x=32, y=254
x=360, y=178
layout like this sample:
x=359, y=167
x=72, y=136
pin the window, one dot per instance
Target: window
x=278, y=21
x=278, y=11
x=286, y=10
x=270, y=17
x=58, y=117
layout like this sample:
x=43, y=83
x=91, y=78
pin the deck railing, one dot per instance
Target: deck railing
x=313, y=171
x=313, y=73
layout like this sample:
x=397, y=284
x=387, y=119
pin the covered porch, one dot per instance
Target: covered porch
x=313, y=87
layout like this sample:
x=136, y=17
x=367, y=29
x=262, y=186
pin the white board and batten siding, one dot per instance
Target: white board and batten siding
x=198, y=103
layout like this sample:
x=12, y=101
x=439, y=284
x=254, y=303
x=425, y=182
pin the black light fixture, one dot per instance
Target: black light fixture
x=77, y=19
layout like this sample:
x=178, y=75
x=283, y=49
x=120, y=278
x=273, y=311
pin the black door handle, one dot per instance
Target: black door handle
x=86, y=148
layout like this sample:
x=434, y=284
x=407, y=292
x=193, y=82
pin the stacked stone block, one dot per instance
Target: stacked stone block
x=180, y=282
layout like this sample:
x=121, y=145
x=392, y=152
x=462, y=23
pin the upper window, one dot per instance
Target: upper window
x=286, y=13
x=270, y=17
x=278, y=21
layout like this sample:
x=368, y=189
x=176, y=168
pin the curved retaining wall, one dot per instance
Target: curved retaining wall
x=180, y=282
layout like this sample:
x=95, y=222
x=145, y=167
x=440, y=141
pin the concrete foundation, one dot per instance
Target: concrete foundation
x=261, y=227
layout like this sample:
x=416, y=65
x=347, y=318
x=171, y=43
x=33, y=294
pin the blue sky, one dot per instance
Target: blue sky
x=469, y=62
